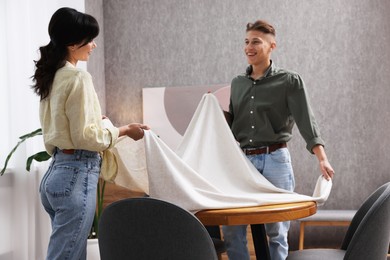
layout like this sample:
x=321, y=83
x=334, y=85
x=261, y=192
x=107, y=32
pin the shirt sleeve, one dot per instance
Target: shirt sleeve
x=83, y=111
x=299, y=105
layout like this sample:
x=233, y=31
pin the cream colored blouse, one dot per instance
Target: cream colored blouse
x=71, y=116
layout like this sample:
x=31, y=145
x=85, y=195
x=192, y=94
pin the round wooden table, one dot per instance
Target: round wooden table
x=257, y=214
x=256, y=217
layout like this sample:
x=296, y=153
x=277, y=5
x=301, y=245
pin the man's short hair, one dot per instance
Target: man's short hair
x=262, y=26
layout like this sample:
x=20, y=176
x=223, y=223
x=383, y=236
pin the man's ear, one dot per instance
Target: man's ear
x=273, y=45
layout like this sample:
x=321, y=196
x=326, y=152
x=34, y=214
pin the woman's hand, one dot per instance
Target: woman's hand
x=134, y=130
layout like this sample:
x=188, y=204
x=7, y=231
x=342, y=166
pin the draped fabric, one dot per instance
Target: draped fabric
x=207, y=171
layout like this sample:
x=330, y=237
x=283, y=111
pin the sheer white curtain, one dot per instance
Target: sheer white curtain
x=24, y=225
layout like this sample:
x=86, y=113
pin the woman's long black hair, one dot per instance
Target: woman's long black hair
x=67, y=27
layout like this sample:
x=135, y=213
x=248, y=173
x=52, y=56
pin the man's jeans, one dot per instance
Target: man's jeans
x=276, y=168
x=68, y=194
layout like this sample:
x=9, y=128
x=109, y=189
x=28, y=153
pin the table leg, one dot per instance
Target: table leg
x=214, y=231
x=260, y=241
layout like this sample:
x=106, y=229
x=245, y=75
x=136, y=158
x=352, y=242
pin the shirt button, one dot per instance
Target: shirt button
x=254, y=82
x=252, y=97
x=253, y=126
x=250, y=140
x=251, y=112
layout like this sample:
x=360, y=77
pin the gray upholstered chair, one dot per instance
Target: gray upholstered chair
x=147, y=228
x=367, y=237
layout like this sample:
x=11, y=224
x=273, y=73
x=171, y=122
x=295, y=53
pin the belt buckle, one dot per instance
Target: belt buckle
x=247, y=151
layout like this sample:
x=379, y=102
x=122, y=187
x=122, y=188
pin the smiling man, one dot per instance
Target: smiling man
x=265, y=103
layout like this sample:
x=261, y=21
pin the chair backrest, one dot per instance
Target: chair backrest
x=368, y=236
x=147, y=228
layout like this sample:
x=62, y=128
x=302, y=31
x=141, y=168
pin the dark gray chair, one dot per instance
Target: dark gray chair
x=367, y=237
x=151, y=229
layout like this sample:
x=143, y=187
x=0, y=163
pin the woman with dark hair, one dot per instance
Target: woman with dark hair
x=73, y=132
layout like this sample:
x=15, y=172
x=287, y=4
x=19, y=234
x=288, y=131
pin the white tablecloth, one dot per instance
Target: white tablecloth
x=207, y=171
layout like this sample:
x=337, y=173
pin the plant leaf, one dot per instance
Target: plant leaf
x=22, y=139
x=39, y=157
x=32, y=134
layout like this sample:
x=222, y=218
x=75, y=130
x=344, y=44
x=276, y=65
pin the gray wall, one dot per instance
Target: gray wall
x=96, y=62
x=339, y=47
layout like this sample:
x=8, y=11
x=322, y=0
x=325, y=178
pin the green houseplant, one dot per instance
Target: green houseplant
x=40, y=156
x=44, y=156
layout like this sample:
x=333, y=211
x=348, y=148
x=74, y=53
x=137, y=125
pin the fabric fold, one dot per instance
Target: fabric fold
x=208, y=170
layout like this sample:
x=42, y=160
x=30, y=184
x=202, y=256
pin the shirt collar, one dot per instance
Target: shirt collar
x=267, y=73
x=69, y=65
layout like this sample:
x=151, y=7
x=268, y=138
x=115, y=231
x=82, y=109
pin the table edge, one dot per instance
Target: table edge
x=258, y=214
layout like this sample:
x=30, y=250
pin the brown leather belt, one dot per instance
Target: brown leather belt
x=265, y=149
x=68, y=151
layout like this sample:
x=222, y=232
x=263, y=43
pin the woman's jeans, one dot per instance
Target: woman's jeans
x=68, y=194
x=276, y=167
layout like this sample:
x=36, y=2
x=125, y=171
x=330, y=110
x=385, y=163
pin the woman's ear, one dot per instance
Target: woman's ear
x=72, y=47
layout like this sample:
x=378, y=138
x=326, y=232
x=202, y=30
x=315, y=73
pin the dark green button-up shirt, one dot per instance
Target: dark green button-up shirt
x=264, y=111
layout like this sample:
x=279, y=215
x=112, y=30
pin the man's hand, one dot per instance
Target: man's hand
x=325, y=167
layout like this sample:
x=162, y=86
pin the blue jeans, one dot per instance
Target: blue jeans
x=276, y=168
x=68, y=194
